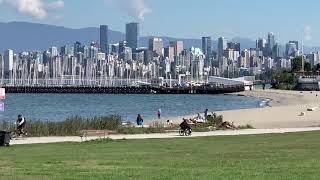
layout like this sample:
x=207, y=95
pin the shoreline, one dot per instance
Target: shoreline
x=282, y=109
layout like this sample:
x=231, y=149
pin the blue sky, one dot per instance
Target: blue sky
x=184, y=18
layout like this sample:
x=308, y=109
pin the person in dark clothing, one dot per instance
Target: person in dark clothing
x=139, y=120
x=184, y=125
x=206, y=114
x=159, y=113
x=21, y=124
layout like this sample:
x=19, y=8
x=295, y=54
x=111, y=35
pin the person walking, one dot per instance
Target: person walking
x=159, y=113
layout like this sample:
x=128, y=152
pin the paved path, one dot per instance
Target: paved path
x=41, y=140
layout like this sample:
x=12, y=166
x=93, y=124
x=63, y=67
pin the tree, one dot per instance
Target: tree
x=296, y=64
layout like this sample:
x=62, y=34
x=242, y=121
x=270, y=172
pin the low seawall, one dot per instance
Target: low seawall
x=125, y=90
x=86, y=90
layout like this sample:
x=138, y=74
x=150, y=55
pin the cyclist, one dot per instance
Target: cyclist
x=21, y=124
x=184, y=125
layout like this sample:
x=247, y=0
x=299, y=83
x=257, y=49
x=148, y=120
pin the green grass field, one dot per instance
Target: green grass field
x=287, y=156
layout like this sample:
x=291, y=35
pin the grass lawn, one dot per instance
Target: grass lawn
x=287, y=156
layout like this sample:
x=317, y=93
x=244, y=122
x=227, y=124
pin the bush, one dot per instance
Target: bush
x=214, y=120
x=70, y=127
x=134, y=130
x=248, y=126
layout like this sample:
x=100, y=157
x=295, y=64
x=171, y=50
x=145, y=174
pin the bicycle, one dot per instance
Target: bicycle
x=185, y=132
x=14, y=134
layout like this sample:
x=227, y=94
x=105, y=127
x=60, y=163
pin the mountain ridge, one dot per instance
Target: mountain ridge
x=27, y=36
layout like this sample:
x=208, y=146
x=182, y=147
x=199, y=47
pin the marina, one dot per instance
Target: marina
x=213, y=85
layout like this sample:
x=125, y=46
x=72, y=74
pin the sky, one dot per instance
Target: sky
x=287, y=19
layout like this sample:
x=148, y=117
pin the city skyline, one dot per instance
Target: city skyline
x=208, y=18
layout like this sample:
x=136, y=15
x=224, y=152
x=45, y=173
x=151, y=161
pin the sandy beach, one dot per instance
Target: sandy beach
x=283, y=110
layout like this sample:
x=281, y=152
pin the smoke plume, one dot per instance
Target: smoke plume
x=307, y=33
x=134, y=8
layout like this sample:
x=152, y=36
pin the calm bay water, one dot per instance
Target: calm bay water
x=57, y=107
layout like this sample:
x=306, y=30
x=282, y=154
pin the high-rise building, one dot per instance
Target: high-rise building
x=132, y=35
x=271, y=42
x=156, y=45
x=291, y=49
x=178, y=47
x=278, y=51
x=296, y=43
x=104, y=38
x=233, y=45
x=67, y=50
x=169, y=53
x=207, y=46
x=222, y=45
x=261, y=44
x=8, y=60
x=54, y=51
x=77, y=47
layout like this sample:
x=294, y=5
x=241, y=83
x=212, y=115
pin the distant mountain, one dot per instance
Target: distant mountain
x=25, y=36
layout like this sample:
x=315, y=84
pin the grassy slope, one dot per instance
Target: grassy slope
x=289, y=156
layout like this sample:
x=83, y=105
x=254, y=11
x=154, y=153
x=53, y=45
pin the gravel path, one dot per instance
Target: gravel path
x=41, y=140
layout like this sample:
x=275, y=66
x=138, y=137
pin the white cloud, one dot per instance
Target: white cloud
x=134, y=8
x=56, y=5
x=34, y=8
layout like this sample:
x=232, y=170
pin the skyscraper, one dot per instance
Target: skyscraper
x=271, y=42
x=296, y=43
x=261, y=44
x=222, y=45
x=169, y=53
x=207, y=46
x=104, y=38
x=132, y=35
x=178, y=47
x=233, y=45
x=291, y=49
x=156, y=45
x=8, y=60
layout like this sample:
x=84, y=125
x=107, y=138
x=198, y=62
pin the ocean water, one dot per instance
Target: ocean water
x=57, y=107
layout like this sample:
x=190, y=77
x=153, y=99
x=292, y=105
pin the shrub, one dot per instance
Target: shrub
x=70, y=127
